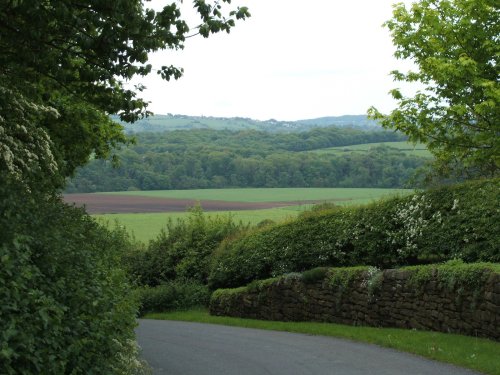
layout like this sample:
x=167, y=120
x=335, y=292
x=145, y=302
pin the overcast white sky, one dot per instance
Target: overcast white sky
x=293, y=59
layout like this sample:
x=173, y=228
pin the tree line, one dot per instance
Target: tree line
x=218, y=159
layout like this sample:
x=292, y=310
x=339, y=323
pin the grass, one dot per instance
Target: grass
x=354, y=195
x=406, y=147
x=146, y=226
x=474, y=353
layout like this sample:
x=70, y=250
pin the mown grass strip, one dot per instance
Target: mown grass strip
x=470, y=352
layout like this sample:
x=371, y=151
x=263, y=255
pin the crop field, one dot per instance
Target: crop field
x=146, y=226
x=295, y=195
x=407, y=147
x=135, y=210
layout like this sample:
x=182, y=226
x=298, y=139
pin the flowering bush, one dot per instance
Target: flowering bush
x=454, y=222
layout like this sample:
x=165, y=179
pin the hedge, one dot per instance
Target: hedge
x=181, y=251
x=173, y=295
x=452, y=222
x=65, y=306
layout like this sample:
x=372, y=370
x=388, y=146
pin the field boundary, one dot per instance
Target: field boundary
x=107, y=204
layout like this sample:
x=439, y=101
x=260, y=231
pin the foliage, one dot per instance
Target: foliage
x=63, y=70
x=455, y=222
x=314, y=275
x=147, y=226
x=64, y=66
x=455, y=276
x=26, y=152
x=454, y=44
x=173, y=295
x=407, y=147
x=181, y=251
x=65, y=305
x=129, y=360
x=317, y=208
x=265, y=223
x=342, y=278
x=218, y=159
x=257, y=286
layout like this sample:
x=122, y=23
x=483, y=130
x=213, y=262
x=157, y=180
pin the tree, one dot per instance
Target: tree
x=455, y=45
x=65, y=304
x=63, y=65
x=62, y=294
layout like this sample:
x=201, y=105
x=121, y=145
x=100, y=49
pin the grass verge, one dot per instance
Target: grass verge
x=470, y=352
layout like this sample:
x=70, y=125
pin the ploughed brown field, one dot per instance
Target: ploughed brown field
x=106, y=204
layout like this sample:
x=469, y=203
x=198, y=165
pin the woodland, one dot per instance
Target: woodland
x=208, y=158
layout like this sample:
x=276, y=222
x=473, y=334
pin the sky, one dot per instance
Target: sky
x=291, y=60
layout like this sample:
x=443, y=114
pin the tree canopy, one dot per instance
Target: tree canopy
x=63, y=71
x=63, y=68
x=203, y=158
x=455, y=46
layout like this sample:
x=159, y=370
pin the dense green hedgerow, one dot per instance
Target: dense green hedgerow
x=65, y=306
x=454, y=222
x=173, y=295
x=182, y=251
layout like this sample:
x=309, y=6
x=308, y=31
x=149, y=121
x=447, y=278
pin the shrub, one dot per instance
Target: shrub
x=320, y=207
x=174, y=295
x=454, y=222
x=342, y=278
x=314, y=275
x=454, y=275
x=181, y=251
x=265, y=223
x=65, y=305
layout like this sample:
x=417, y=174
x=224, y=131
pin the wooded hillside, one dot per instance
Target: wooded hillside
x=206, y=158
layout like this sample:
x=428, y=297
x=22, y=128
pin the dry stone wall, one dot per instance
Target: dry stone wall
x=432, y=300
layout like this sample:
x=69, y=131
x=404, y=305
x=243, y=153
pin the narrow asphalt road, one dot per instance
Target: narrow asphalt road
x=179, y=348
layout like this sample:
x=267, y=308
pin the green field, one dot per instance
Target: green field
x=352, y=195
x=407, y=147
x=146, y=226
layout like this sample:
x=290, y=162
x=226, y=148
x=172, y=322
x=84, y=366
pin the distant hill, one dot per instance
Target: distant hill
x=357, y=121
x=169, y=122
